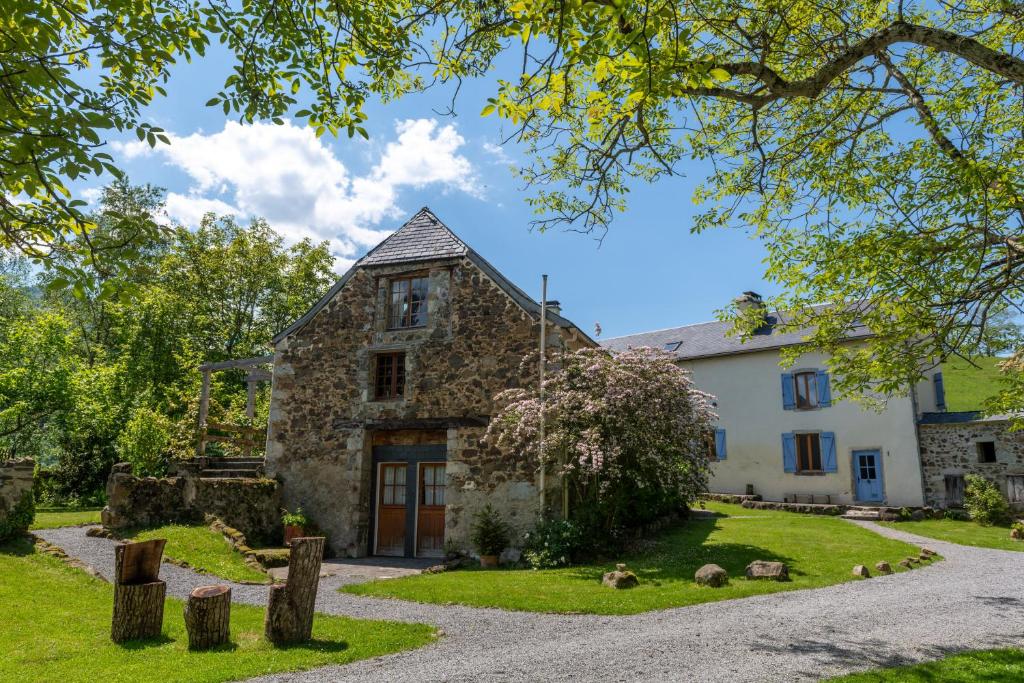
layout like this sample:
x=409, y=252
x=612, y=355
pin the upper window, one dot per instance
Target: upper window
x=408, y=302
x=389, y=378
x=806, y=389
x=808, y=452
x=986, y=451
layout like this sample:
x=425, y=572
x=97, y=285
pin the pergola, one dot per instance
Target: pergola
x=233, y=434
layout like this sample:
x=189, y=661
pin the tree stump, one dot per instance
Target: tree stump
x=290, y=606
x=208, y=617
x=138, y=591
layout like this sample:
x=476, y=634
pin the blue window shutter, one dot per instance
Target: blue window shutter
x=788, y=400
x=824, y=390
x=940, y=391
x=828, y=452
x=720, y=443
x=788, y=452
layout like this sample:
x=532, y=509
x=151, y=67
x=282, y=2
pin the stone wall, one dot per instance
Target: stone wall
x=16, y=501
x=951, y=449
x=249, y=505
x=323, y=420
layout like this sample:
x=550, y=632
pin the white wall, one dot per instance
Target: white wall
x=749, y=395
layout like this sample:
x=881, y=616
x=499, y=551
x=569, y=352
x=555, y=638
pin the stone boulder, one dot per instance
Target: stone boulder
x=1017, y=534
x=927, y=551
x=711, y=575
x=912, y=560
x=764, y=569
x=861, y=571
x=906, y=563
x=883, y=568
x=620, y=578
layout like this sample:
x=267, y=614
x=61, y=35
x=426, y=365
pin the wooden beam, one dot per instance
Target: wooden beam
x=238, y=363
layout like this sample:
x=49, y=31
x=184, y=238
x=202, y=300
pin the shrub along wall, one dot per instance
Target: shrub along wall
x=17, y=505
x=249, y=505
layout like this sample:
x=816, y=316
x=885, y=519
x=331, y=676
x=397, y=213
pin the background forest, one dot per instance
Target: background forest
x=92, y=375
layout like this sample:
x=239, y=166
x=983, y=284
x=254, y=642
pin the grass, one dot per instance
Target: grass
x=53, y=518
x=819, y=551
x=56, y=627
x=962, y=532
x=204, y=550
x=984, y=665
x=968, y=386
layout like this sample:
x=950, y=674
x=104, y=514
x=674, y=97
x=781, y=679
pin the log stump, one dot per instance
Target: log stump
x=208, y=617
x=290, y=607
x=138, y=591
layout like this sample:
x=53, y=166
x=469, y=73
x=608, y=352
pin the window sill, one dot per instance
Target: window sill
x=811, y=473
x=410, y=327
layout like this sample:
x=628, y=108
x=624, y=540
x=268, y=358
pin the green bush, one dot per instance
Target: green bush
x=297, y=518
x=905, y=514
x=554, y=543
x=20, y=518
x=984, y=501
x=144, y=442
x=489, y=534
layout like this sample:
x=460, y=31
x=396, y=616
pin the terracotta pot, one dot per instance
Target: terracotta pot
x=488, y=560
x=291, y=531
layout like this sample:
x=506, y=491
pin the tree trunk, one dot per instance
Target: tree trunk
x=138, y=591
x=138, y=610
x=208, y=617
x=290, y=607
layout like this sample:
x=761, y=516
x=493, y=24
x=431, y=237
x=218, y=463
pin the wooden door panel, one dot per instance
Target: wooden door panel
x=430, y=511
x=391, y=510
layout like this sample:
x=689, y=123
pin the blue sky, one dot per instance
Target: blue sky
x=648, y=273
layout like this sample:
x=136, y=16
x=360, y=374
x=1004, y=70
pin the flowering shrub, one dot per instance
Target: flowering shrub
x=628, y=430
x=984, y=501
x=554, y=543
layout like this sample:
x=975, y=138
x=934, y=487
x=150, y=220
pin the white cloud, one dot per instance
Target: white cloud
x=498, y=152
x=290, y=177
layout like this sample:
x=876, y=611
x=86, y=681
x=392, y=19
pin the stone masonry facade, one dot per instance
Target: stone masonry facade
x=949, y=451
x=325, y=423
x=16, y=504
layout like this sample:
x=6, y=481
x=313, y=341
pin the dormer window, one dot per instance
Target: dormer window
x=408, y=302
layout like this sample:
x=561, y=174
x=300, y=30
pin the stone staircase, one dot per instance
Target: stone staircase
x=867, y=514
x=230, y=468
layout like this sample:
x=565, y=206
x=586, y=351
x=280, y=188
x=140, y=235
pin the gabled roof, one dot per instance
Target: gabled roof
x=425, y=238
x=705, y=340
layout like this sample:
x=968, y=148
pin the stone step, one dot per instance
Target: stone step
x=234, y=463
x=862, y=514
x=249, y=473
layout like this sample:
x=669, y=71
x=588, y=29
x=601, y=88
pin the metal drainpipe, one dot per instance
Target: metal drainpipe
x=543, y=356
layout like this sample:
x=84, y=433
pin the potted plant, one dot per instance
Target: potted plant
x=489, y=536
x=295, y=524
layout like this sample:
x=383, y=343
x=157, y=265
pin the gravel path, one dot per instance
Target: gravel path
x=972, y=600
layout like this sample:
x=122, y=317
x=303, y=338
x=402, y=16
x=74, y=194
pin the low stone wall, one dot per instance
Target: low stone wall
x=951, y=450
x=805, y=508
x=17, y=504
x=250, y=505
x=734, y=498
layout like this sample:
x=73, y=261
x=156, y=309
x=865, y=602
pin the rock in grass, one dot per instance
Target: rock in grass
x=711, y=575
x=1016, y=534
x=620, y=578
x=861, y=571
x=927, y=551
x=764, y=569
x=906, y=563
x=883, y=568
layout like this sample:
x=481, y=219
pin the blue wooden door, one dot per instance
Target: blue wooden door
x=867, y=471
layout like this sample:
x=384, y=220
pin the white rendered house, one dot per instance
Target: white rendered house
x=782, y=435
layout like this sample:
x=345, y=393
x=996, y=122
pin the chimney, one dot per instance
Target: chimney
x=554, y=307
x=750, y=304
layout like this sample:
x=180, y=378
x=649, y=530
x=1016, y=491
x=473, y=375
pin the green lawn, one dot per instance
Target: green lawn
x=964, y=533
x=819, y=551
x=56, y=627
x=50, y=519
x=967, y=386
x=991, y=666
x=203, y=549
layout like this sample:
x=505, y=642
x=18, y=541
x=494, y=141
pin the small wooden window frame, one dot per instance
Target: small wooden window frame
x=405, y=320
x=809, y=380
x=804, y=446
x=393, y=388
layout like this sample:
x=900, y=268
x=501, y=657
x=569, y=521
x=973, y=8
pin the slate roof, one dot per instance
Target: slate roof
x=425, y=238
x=705, y=340
x=961, y=418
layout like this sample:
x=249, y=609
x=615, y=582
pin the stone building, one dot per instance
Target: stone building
x=382, y=391
x=956, y=444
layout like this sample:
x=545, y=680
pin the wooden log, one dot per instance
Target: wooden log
x=208, y=617
x=138, y=611
x=138, y=591
x=290, y=606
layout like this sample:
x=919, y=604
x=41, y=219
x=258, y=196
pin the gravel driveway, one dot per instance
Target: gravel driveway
x=972, y=600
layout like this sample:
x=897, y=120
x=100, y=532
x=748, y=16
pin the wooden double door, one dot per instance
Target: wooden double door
x=410, y=501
